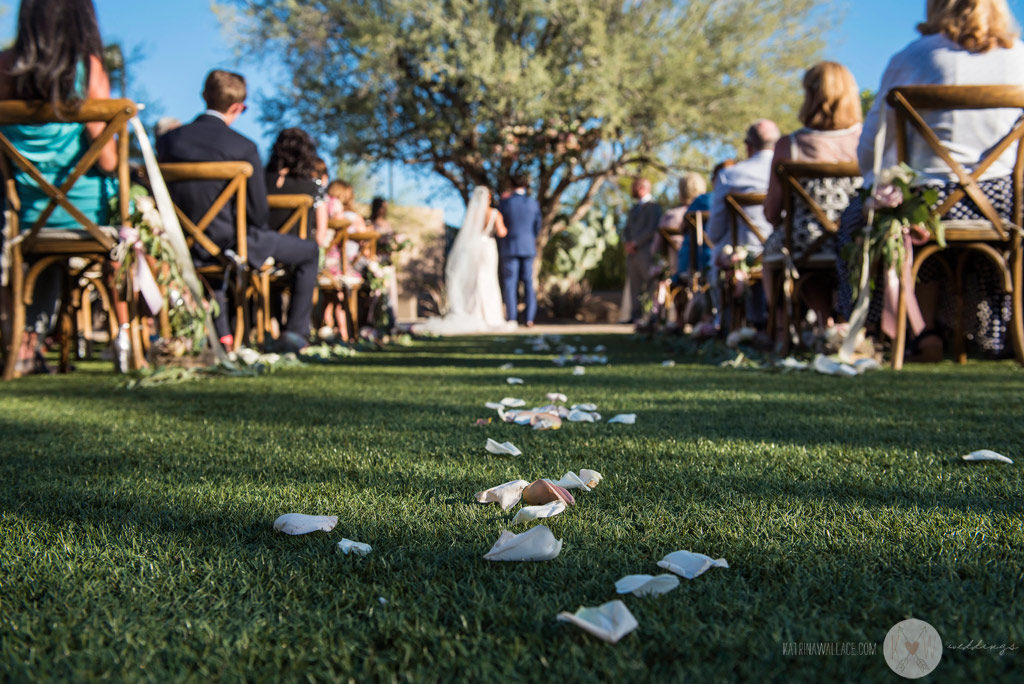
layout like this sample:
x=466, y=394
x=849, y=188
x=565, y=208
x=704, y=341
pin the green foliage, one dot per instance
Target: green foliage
x=576, y=257
x=575, y=93
x=136, y=541
x=912, y=214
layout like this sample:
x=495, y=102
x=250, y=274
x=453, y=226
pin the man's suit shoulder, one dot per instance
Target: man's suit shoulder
x=207, y=135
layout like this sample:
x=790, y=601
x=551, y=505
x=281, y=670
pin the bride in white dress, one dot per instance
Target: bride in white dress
x=471, y=275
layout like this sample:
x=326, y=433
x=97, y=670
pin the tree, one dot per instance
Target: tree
x=574, y=92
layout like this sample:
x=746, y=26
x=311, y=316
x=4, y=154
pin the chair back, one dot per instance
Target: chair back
x=908, y=103
x=737, y=204
x=235, y=175
x=693, y=225
x=114, y=114
x=341, y=235
x=299, y=206
x=793, y=176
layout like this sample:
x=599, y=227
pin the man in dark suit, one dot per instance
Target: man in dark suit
x=210, y=138
x=641, y=229
x=516, y=251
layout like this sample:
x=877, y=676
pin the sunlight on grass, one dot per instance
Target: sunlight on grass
x=136, y=539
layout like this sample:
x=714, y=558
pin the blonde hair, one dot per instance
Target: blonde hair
x=691, y=185
x=975, y=25
x=831, y=98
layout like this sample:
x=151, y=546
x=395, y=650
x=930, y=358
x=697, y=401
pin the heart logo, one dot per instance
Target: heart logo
x=911, y=647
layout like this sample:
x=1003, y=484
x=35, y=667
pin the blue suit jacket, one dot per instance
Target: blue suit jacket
x=522, y=218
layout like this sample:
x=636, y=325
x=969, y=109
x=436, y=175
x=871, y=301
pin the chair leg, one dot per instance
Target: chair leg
x=959, y=332
x=900, y=343
x=64, y=318
x=17, y=335
x=1017, y=305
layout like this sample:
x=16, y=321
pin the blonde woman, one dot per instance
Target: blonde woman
x=963, y=42
x=831, y=118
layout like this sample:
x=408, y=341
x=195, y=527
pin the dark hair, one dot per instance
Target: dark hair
x=55, y=38
x=378, y=208
x=295, y=152
x=519, y=180
x=223, y=89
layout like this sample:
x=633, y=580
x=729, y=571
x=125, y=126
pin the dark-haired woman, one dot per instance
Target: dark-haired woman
x=294, y=169
x=56, y=59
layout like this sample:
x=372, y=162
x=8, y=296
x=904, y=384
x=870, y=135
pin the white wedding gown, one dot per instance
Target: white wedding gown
x=471, y=277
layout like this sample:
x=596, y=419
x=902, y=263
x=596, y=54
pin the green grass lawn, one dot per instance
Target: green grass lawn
x=136, y=536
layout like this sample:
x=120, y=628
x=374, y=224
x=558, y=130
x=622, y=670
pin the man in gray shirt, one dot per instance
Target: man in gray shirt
x=640, y=231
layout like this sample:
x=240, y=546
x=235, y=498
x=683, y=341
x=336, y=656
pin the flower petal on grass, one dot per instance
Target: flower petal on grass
x=503, y=448
x=299, y=523
x=579, y=370
x=514, y=381
x=577, y=416
x=609, y=622
x=357, y=548
x=544, y=491
x=506, y=495
x=690, y=564
x=512, y=402
x=591, y=477
x=987, y=455
x=646, y=585
x=624, y=418
x=571, y=481
x=528, y=513
x=556, y=396
x=536, y=544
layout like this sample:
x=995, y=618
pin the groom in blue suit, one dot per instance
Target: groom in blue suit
x=517, y=250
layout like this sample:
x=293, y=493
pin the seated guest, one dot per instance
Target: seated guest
x=379, y=216
x=693, y=196
x=210, y=138
x=691, y=186
x=293, y=169
x=748, y=176
x=831, y=115
x=963, y=42
x=56, y=59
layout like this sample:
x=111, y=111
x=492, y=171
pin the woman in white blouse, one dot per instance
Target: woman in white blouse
x=963, y=42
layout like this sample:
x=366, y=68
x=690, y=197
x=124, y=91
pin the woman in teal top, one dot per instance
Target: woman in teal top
x=56, y=59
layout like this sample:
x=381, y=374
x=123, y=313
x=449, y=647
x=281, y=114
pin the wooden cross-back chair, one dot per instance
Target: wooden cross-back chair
x=693, y=226
x=231, y=268
x=995, y=237
x=271, y=275
x=797, y=270
x=342, y=237
x=43, y=246
x=737, y=204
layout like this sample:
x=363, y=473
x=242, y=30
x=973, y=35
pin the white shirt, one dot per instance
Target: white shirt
x=219, y=115
x=748, y=176
x=937, y=60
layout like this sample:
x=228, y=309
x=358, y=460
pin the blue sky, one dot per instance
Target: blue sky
x=181, y=40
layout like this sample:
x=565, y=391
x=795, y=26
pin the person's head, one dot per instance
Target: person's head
x=976, y=25
x=724, y=164
x=762, y=135
x=293, y=154
x=519, y=181
x=641, y=187
x=56, y=40
x=831, y=98
x=341, y=191
x=378, y=209
x=224, y=92
x=691, y=186
x=321, y=170
x=165, y=125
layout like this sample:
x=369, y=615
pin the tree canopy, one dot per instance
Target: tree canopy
x=573, y=92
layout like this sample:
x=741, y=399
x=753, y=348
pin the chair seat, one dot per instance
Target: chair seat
x=67, y=241
x=978, y=230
